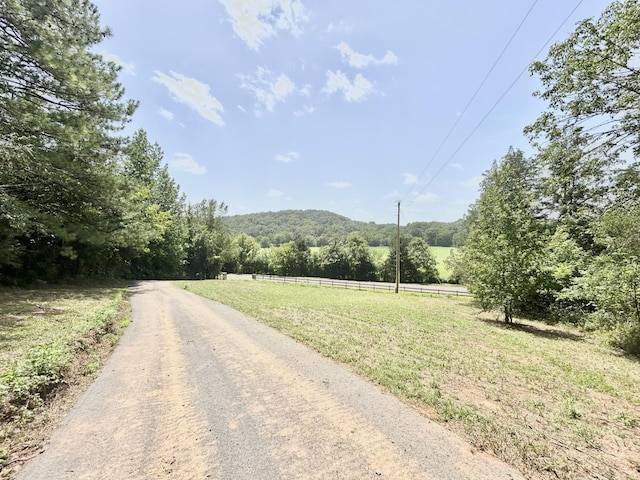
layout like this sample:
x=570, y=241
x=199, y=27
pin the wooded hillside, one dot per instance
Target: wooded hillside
x=319, y=227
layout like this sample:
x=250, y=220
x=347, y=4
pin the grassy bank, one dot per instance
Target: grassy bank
x=51, y=341
x=545, y=399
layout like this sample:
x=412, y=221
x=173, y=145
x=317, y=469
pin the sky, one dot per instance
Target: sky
x=349, y=106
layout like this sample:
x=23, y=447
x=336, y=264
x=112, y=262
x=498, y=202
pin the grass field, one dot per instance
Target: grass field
x=50, y=339
x=545, y=399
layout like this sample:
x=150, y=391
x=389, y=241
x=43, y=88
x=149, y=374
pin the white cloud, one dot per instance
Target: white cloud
x=473, y=182
x=410, y=179
x=306, y=110
x=457, y=166
x=165, y=113
x=357, y=91
x=273, y=193
x=192, y=93
x=340, y=27
x=255, y=21
x=286, y=158
x=338, y=184
x=267, y=88
x=128, y=68
x=425, y=197
x=185, y=163
x=360, y=60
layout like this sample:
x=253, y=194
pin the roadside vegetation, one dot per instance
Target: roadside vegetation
x=551, y=400
x=53, y=340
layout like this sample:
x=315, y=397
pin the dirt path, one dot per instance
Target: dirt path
x=197, y=390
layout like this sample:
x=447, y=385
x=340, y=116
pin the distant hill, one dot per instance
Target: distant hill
x=318, y=227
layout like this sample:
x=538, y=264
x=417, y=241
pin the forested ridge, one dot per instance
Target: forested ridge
x=319, y=227
x=554, y=234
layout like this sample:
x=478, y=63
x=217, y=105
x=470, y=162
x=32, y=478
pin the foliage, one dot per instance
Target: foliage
x=42, y=364
x=592, y=83
x=504, y=250
x=59, y=104
x=208, y=241
x=417, y=263
x=319, y=228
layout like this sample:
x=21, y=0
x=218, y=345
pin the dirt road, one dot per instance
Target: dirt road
x=197, y=390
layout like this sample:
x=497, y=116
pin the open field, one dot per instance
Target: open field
x=52, y=340
x=545, y=399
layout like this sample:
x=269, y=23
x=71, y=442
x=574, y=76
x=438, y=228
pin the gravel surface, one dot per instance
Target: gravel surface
x=198, y=390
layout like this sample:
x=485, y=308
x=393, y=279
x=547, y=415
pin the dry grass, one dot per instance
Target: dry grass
x=545, y=399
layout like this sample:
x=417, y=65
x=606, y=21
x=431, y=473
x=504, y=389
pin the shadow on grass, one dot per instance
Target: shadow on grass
x=544, y=332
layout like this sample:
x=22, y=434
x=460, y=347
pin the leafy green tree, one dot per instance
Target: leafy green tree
x=208, y=241
x=359, y=259
x=505, y=247
x=334, y=260
x=417, y=263
x=246, y=251
x=592, y=83
x=151, y=241
x=291, y=259
x=59, y=107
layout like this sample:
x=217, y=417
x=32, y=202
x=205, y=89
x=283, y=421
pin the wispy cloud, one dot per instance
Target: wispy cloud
x=288, y=157
x=306, y=110
x=165, y=113
x=457, y=166
x=193, y=93
x=355, y=91
x=338, y=184
x=268, y=88
x=410, y=179
x=360, y=60
x=255, y=21
x=426, y=197
x=128, y=68
x=340, y=27
x=185, y=163
x=273, y=193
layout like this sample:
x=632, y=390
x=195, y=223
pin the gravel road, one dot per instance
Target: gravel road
x=197, y=390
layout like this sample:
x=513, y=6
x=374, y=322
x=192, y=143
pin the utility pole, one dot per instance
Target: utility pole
x=398, y=252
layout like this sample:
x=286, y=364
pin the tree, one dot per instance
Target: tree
x=291, y=259
x=150, y=243
x=504, y=250
x=208, y=239
x=359, y=259
x=417, y=263
x=246, y=253
x=59, y=107
x=592, y=82
x=333, y=260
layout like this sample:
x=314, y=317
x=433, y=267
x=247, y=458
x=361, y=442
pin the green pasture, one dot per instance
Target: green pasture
x=548, y=400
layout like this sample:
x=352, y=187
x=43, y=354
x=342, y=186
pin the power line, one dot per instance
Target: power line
x=499, y=100
x=495, y=63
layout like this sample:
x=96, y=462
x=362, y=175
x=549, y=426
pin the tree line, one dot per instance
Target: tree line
x=318, y=228
x=344, y=258
x=557, y=233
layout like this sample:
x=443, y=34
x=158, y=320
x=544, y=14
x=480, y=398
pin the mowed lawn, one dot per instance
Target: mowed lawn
x=545, y=399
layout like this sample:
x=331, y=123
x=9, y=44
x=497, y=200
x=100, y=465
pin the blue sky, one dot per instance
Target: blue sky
x=340, y=105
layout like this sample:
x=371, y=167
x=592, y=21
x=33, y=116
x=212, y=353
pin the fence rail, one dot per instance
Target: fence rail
x=404, y=287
